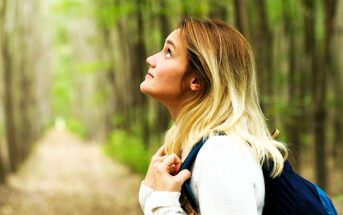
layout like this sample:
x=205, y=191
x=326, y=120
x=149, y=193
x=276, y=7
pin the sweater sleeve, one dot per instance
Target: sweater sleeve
x=225, y=179
x=144, y=193
x=159, y=203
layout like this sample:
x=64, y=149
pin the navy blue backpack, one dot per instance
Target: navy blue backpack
x=288, y=194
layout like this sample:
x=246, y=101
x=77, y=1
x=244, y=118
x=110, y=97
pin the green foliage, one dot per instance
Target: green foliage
x=93, y=66
x=62, y=87
x=195, y=8
x=76, y=127
x=129, y=149
x=107, y=13
x=274, y=11
x=70, y=8
x=338, y=198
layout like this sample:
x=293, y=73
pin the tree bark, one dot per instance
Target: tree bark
x=11, y=132
x=318, y=87
x=138, y=72
x=336, y=80
x=265, y=56
x=163, y=117
x=3, y=5
x=294, y=121
x=25, y=74
x=2, y=170
x=218, y=10
x=321, y=112
x=241, y=17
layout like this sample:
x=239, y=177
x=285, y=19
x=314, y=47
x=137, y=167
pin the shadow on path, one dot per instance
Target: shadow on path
x=66, y=176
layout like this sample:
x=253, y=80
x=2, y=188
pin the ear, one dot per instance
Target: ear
x=195, y=83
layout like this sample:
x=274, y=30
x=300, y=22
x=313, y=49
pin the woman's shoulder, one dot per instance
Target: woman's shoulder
x=227, y=148
x=228, y=143
x=228, y=162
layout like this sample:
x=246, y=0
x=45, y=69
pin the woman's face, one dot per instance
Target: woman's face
x=165, y=80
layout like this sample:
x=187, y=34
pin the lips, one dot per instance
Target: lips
x=151, y=75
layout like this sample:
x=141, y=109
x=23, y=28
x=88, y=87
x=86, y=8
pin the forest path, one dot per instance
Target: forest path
x=67, y=176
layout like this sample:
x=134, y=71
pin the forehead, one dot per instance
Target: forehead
x=176, y=38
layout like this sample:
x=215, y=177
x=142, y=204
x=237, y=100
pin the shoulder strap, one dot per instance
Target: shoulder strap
x=187, y=164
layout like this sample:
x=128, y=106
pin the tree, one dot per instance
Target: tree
x=138, y=72
x=336, y=80
x=218, y=9
x=163, y=117
x=241, y=18
x=294, y=120
x=320, y=112
x=11, y=131
x=265, y=58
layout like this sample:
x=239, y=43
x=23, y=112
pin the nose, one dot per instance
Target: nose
x=151, y=61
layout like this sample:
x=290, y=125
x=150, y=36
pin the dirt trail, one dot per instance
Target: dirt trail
x=66, y=176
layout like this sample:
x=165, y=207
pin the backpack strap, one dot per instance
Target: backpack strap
x=187, y=164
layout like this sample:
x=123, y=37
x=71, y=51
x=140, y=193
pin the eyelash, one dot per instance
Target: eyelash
x=168, y=52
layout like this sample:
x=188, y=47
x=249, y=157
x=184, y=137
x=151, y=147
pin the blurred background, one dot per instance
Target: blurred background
x=76, y=134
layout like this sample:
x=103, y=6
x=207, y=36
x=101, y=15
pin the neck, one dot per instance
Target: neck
x=174, y=111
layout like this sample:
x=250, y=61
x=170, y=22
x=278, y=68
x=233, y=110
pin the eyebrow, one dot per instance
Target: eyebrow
x=171, y=43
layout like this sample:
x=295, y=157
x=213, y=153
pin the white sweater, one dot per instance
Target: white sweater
x=226, y=179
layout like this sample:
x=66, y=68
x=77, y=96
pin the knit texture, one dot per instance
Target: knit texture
x=226, y=179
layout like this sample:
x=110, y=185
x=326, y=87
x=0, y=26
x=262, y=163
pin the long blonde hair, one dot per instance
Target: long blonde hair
x=228, y=100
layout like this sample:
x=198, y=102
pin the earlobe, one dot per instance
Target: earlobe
x=195, y=84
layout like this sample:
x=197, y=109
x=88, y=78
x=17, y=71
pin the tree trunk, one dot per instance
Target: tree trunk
x=294, y=120
x=138, y=72
x=2, y=21
x=25, y=126
x=241, y=17
x=318, y=88
x=336, y=78
x=163, y=117
x=321, y=112
x=11, y=133
x=218, y=9
x=265, y=61
x=2, y=171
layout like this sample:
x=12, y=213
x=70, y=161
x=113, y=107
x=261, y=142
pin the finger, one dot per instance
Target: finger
x=171, y=170
x=177, y=167
x=183, y=176
x=172, y=159
x=160, y=159
x=161, y=151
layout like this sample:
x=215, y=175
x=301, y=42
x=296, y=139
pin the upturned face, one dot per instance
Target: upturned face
x=165, y=80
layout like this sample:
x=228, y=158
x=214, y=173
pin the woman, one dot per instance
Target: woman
x=205, y=76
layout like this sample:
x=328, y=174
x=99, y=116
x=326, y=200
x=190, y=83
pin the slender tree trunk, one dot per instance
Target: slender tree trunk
x=127, y=91
x=24, y=127
x=218, y=9
x=241, y=17
x=163, y=117
x=265, y=60
x=2, y=21
x=138, y=72
x=321, y=112
x=337, y=145
x=294, y=119
x=319, y=94
x=11, y=133
x=2, y=171
x=110, y=76
x=336, y=80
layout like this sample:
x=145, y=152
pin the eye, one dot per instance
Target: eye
x=168, y=53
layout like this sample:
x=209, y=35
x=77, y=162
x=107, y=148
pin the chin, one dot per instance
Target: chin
x=143, y=88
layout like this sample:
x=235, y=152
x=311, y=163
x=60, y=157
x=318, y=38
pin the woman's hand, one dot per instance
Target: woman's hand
x=162, y=173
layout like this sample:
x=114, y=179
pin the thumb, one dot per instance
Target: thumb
x=182, y=176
